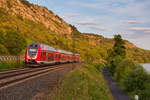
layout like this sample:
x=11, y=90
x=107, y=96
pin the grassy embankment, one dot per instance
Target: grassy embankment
x=86, y=83
x=6, y=65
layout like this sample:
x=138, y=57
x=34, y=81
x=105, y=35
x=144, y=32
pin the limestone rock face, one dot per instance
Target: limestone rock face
x=37, y=14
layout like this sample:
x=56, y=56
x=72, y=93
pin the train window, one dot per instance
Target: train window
x=59, y=56
x=31, y=45
x=43, y=56
x=50, y=57
x=32, y=51
x=62, y=58
x=36, y=45
x=44, y=53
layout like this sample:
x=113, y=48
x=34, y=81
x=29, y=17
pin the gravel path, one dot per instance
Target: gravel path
x=117, y=93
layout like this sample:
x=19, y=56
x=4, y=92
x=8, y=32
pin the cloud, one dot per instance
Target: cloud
x=91, y=23
x=134, y=22
x=138, y=32
x=86, y=23
x=143, y=29
x=133, y=9
x=83, y=4
x=98, y=27
x=70, y=15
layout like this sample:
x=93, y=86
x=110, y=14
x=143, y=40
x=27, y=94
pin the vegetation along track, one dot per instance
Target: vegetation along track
x=9, y=77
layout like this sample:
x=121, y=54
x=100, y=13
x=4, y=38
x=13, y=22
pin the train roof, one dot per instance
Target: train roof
x=76, y=54
x=44, y=46
x=47, y=47
x=64, y=52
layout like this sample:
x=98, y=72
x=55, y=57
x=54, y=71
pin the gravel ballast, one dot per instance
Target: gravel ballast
x=37, y=87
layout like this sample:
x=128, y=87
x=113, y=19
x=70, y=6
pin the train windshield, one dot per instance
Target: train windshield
x=32, y=50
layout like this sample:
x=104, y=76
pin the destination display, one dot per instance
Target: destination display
x=32, y=50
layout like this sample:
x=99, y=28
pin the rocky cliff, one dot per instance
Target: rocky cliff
x=37, y=14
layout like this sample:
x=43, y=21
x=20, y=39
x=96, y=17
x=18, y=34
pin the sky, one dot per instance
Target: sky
x=130, y=18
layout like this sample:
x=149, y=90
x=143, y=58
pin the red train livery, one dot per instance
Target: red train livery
x=41, y=54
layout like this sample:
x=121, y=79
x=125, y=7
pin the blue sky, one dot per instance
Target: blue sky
x=130, y=18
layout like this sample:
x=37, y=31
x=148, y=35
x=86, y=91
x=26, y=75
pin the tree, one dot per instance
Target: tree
x=3, y=49
x=116, y=54
x=123, y=68
x=14, y=42
x=1, y=37
x=119, y=48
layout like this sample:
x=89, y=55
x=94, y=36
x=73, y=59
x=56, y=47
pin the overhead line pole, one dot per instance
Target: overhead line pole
x=73, y=45
x=18, y=49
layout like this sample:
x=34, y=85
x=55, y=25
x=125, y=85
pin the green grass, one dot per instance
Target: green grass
x=86, y=83
x=6, y=65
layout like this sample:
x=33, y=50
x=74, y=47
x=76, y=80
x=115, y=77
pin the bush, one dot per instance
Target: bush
x=5, y=65
x=14, y=42
x=145, y=94
x=99, y=66
x=3, y=19
x=112, y=65
x=123, y=68
x=3, y=50
x=136, y=80
x=8, y=4
x=26, y=3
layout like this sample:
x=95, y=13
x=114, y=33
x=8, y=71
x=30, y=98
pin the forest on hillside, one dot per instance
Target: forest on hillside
x=14, y=30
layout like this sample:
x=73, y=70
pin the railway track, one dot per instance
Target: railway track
x=8, y=78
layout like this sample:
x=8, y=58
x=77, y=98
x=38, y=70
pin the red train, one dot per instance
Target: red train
x=41, y=54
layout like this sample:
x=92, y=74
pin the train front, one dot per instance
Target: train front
x=32, y=55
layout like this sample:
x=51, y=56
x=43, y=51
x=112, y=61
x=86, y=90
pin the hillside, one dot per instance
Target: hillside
x=38, y=24
x=36, y=13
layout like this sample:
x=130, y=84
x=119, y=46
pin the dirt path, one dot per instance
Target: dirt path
x=117, y=93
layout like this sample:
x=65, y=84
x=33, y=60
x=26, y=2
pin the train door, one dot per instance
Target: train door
x=43, y=56
x=63, y=58
x=51, y=56
x=58, y=57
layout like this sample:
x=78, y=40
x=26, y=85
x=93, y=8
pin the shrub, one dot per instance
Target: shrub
x=14, y=42
x=123, y=68
x=26, y=3
x=8, y=4
x=5, y=65
x=113, y=64
x=3, y=50
x=136, y=79
x=20, y=17
x=145, y=94
x=3, y=19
